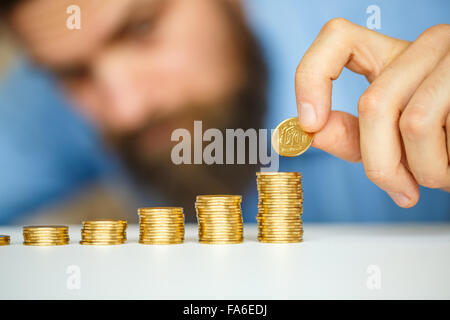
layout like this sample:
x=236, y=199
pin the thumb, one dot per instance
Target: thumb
x=340, y=136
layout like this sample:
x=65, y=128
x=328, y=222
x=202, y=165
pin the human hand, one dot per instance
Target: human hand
x=402, y=133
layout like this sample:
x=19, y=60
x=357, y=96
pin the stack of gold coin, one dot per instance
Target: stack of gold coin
x=161, y=225
x=45, y=235
x=4, y=240
x=280, y=207
x=103, y=232
x=219, y=219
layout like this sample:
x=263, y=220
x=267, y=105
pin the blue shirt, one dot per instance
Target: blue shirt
x=48, y=151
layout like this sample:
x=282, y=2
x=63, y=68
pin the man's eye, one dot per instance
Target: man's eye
x=140, y=29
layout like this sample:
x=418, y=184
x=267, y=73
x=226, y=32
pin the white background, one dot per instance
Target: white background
x=332, y=262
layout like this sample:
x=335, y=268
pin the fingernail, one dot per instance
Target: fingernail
x=307, y=114
x=400, y=199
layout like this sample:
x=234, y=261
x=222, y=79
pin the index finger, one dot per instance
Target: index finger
x=339, y=44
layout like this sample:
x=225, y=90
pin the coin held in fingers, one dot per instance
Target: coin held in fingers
x=289, y=139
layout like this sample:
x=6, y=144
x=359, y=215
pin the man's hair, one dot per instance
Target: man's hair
x=7, y=5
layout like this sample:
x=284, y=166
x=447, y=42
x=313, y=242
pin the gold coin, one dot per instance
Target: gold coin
x=221, y=241
x=217, y=205
x=162, y=216
x=105, y=223
x=157, y=242
x=280, y=238
x=104, y=232
x=42, y=231
x=102, y=236
x=165, y=237
x=279, y=206
x=280, y=232
x=44, y=243
x=219, y=218
x=4, y=240
x=45, y=227
x=85, y=243
x=161, y=209
x=218, y=196
x=263, y=210
x=279, y=223
x=217, y=230
x=280, y=220
x=162, y=237
x=153, y=225
x=219, y=208
x=161, y=231
x=229, y=236
x=280, y=241
x=212, y=220
x=178, y=222
x=289, y=140
x=219, y=214
x=224, y=239
x=277, y=173
x=162, y=221
x=272, y=187
x=172, y=220
x=46, y=238
x=279, y=176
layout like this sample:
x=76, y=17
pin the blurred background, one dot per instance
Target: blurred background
x=86, y=114
x=6, y=51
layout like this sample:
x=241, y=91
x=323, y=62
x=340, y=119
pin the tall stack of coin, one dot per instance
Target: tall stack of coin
x=4, y=240
x=45, y=235
x=219, y=219
x=161, y=225
x=103, y=232
x=280, y=207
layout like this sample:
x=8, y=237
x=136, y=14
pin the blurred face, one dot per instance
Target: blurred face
x=138, y=67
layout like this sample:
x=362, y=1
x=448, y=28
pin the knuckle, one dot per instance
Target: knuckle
x=431, y=181
x=431, y=90
x=369, y=103
x=439, y=30
x=335, y=25
x=413, y=123
x=379, y=177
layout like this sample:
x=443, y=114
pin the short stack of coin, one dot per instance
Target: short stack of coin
x=4, y=240
x=45, y=235
x=103, y=232
x=280, y=207
x=219, y=219
x=161, y=225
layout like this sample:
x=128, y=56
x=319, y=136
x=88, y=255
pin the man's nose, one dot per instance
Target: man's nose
x=125, y=99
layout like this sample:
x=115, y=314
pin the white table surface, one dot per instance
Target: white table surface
x=413, y=262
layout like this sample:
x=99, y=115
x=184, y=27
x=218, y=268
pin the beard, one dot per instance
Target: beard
x=151, y=168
